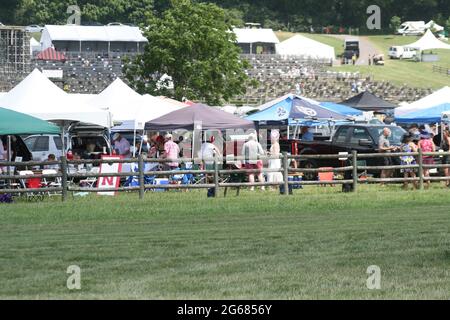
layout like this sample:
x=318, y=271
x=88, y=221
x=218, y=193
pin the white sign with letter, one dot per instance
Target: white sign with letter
x=109, y=182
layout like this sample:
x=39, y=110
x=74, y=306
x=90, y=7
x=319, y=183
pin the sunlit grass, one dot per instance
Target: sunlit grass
x=315, y=244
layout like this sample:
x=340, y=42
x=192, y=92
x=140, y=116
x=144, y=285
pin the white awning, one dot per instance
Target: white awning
x=125, y=104
x=37, y=96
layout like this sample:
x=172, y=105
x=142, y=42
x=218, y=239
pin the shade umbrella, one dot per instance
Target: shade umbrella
x=366, y=101
x=16, y=123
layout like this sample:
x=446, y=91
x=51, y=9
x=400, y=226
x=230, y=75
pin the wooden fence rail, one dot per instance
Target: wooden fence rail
x=350, y=169
x=442, y=70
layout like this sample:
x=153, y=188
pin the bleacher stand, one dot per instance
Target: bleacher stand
x=91, y=72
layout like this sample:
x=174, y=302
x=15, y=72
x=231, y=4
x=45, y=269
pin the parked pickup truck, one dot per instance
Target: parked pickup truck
x=360, y=137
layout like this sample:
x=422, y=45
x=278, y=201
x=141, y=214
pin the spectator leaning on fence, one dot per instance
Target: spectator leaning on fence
x=384, y=146
x=250, y=151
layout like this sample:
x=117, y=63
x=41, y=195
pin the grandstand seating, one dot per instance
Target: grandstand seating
x=275, y=75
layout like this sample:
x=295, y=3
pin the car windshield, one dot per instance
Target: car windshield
x=394, y=139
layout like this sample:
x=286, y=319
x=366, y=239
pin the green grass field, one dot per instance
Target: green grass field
x=315, y=244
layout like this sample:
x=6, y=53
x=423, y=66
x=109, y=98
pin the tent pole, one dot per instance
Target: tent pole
x=9, y=155
x=134, y=141
x=62, y=140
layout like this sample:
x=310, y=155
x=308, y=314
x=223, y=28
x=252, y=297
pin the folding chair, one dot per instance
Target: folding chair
x=31, y=183
x=52, y=182
x=90, y=181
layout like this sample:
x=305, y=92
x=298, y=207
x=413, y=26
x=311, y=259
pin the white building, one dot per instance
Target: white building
x=93, y=38
x=256, y=41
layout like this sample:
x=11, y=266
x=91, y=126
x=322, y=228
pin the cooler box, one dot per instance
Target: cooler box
x=161, y=182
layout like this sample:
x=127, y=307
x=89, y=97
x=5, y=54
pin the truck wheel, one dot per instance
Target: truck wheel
x=310, y=176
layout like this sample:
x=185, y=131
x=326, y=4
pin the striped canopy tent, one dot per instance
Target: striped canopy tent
x=50, y=54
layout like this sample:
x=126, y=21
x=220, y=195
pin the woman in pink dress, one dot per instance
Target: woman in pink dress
x=427, y=145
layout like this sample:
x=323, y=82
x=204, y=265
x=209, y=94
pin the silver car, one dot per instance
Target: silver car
x=34, y=28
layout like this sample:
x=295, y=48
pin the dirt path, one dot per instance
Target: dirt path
x=366, y=48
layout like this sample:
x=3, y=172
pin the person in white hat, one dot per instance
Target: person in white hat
x=121, y=145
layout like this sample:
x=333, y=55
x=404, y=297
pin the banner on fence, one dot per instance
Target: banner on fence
x=109, y=182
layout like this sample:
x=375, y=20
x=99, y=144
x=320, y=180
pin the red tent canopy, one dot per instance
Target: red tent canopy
x=50, y=54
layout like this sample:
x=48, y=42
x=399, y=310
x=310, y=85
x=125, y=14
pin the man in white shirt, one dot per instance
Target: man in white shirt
x=209, y=151
x=250, y=151
x=122, y=146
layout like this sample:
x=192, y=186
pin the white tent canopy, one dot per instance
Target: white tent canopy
x=126, y=104
x=428, y=42
x=37, y=96
x=255, y=35
x=303, y=46
x=90, y=34
x=437, y=98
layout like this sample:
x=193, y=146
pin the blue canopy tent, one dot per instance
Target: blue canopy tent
x=278, y=112
x=305, y=110
x=274, y=112
x=430, y=115
x=340, y=108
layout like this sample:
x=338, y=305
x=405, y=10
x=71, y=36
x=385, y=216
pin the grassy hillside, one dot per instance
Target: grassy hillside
x=404, y=72
x=399, y=72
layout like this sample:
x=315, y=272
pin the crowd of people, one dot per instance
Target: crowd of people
x=417, y=137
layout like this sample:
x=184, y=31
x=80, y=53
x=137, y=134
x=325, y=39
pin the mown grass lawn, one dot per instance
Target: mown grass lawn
x=399, y=72
x=315, y=244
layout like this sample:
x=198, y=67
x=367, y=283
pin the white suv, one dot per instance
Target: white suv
x=41, y=146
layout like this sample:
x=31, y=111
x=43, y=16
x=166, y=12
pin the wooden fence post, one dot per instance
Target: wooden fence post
x=64, y=178
x=355, y=170
x=286, y=173
x=420, y=169
x=216, y=176
x=141, y=168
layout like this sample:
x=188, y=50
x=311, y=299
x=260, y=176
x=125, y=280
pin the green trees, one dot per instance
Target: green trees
x=102, y=11
x=282, y=14
x=395, y=23
x=193, y=44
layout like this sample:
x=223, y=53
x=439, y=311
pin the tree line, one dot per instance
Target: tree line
x=289, y=15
